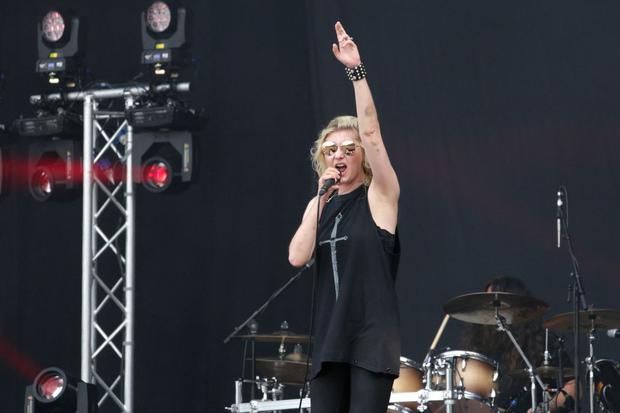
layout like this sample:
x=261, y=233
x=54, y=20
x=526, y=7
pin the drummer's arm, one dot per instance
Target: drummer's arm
x=559, y=402
x=564, y=400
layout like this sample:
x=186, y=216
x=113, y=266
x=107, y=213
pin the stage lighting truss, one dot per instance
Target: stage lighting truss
x=108, y=230
x=53, y=391
x=110, y=198
x=164, y=40
x=58, y=44
x=53, y=169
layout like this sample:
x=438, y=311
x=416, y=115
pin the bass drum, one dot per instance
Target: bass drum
x=607, y=385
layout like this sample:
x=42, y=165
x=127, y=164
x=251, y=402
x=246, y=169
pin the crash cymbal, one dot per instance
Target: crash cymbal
x=479, y=308
x=276, y=337
x=603, y=319
x=545, y=372
x=286, y=371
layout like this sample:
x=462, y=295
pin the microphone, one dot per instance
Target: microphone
x=558, y=215
x=613, y=333
x=326, y=185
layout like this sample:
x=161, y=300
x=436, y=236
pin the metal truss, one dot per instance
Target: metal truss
x=108, y=243
x=108, y=256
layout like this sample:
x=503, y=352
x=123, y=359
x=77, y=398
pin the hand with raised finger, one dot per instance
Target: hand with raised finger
x=346, y=50
x=330, y=173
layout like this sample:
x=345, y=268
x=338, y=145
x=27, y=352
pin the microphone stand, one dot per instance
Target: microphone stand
x=269, y=300
x=260, y=310
x=576, y=295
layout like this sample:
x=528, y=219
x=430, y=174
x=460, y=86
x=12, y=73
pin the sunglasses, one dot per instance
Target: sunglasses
x=330, y=148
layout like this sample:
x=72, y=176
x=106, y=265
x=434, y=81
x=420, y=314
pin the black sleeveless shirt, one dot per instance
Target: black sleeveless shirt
x=357, y=320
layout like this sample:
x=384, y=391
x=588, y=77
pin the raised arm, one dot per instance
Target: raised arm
x=384, y=189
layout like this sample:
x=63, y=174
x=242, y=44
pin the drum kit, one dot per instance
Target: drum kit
x=455, y=381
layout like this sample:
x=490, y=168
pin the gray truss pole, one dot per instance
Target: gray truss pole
x=129, y=265
x=87, y=241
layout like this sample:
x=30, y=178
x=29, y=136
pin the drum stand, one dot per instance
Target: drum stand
x=590, y=361
x=502, y=326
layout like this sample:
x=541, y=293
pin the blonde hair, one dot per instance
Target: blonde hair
x=336, y=124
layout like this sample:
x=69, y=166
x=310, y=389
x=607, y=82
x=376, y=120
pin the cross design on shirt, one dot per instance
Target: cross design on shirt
x=332, y=242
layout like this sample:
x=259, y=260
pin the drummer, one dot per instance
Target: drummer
x=487, y=340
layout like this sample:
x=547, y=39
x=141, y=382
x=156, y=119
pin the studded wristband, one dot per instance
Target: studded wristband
x=356, y=73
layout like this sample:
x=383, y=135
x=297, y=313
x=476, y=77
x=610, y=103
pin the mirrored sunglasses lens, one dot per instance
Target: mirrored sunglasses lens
x=348, y=148
x=329, y=148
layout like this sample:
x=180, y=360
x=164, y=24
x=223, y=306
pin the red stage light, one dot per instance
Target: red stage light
x=157, y=175
x=51, y=386
x=42, y=184
x=53, y=391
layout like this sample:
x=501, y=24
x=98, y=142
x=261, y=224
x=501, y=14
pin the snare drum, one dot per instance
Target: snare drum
x=474, y=378
x=409, y=380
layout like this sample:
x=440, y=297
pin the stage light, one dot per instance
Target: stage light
x=61, y=124
x=3, y=170
x=165, y=159
x=158, y=17
x=53, y=26
x=53, y=168
x=53, y=391
x=157, y=174
x=4, y=138
x=59, y=57
x=164, y=40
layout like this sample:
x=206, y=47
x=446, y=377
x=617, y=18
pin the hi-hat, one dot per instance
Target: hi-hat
x=603, y=319
x=545, y=372
x=286, y=371
x=480, y=308
x=276, y=337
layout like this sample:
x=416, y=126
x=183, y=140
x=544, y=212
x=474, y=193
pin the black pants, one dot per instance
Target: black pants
x=342, y=388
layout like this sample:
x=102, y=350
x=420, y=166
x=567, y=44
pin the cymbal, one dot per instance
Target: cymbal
x=276, y=337
x=479, y=308
x=545, y=372
x=296, y=357
x=603, y=319
x=286, y=371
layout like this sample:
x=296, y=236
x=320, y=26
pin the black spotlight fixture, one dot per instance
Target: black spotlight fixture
x=4, y=161
x=53, y=169
x=58, y=44
x=53, y=391
x=3, y=168
x=165, y=159
x=164, y=40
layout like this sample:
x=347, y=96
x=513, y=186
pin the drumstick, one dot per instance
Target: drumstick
x=442, y=327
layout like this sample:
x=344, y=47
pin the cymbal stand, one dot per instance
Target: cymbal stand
x=502, y=326
x=560, y=378
x=590, y=361
x=546, y=358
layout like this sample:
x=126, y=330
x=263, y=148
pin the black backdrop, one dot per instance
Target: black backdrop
x=486, y=108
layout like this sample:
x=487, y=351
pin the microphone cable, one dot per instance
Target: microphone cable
x=306, y=384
